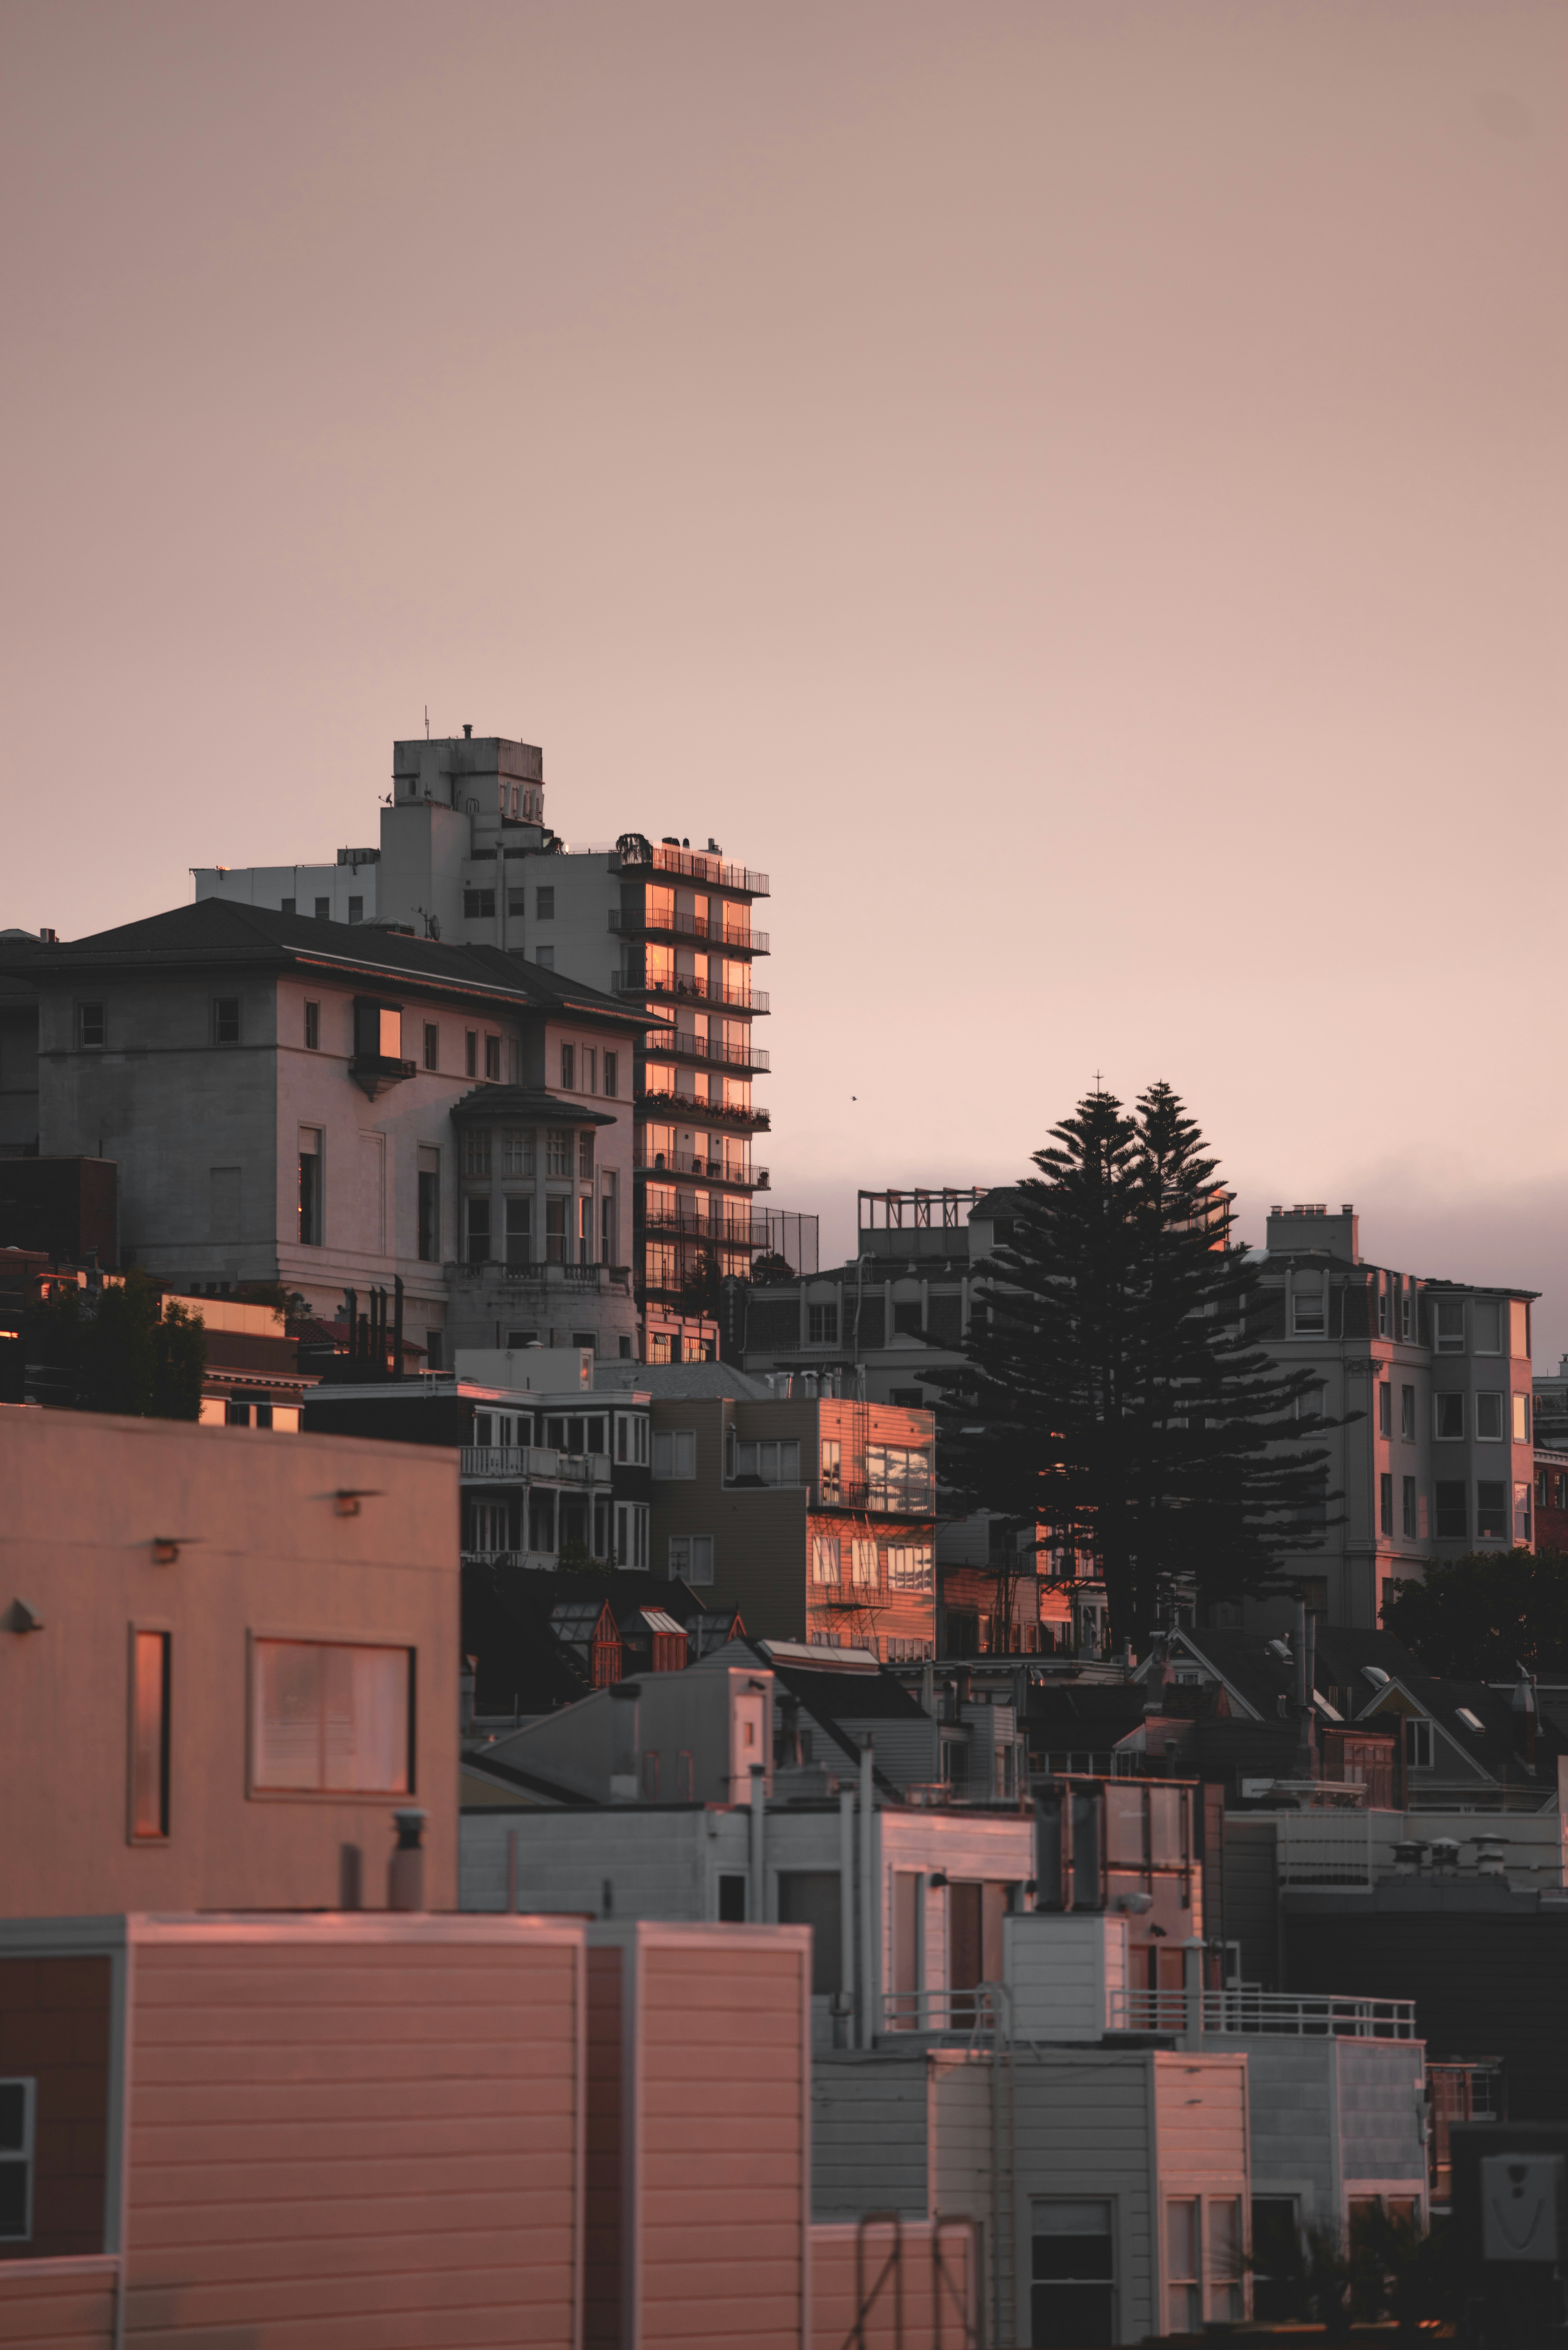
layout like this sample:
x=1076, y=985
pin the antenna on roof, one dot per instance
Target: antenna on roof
x=426, y=721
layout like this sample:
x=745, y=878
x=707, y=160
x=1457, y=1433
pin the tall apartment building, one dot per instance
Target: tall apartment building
x=465, y=856
x=1433, y=1381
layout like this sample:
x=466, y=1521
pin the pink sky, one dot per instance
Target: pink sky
x=1076, y=491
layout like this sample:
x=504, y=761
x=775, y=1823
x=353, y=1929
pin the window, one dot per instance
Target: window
x=545, y=906
x=691, y=1558
x=1406, y=1311
x=612, y=1078
x=585, y=1231
x=824, y=1558
x=585, y=1154
x=1408, y=1505
x=356, y=910
x=225, y=1019
x=493, y=1060
x=1449, y=1326
x=910, y=1568
x=568, y=1068
x=332, y=1719
x=1449, y=1417
x=476, y=1232
x=897, y=1477
x=19, y=2125
x=1522, y=1512
x=324, y=909
x=1453, y=1513
x=517, y=1151
x=91, y=1027
x=831, y=1469
x=1385, y=1500
x=770, y=1461
x=822, y=1325
x=908, y=1320
x=1522, y=1419
x=590, y=1070
x=863, y=1566
x=1183, y=2253
x=731, y=1900
x=286, y=905
x=1384, y=1303
x=478, y=905
x=519, y=1231
x=1486, y=1326
x=555, y=1230
x=546, y=958
x=1489, y=1418
x=810, y=1897
x=674, y=1453
x=1384, y=1408
x=1309, y=1318
x=312, y=1199
x=557, y=1151
x=1225, y=2262
x=1072, y=2277
x=1276, y=2256
x=432, y=1045
x=470, y=1052
x=517, y=901
x=476, y=1150
x=150, y=1695
x=1417, y=1742
x=1407, y=1414
x=313, y=1027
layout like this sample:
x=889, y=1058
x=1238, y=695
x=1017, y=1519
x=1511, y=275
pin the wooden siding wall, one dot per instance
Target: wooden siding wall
x=1062, y=1968
x=1084, y=2126
x=658, y=1863
x=604, y=2270
x=57, y=2305
x=870, y=2131
x=939, y=2304
x=722, y=2153
x=1201, y=2112
x=370, y=2141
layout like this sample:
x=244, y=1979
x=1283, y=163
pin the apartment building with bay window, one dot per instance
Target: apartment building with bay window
x=465, y=856
x=1433, y=1382
x=816, y=1517
x=328, y=1107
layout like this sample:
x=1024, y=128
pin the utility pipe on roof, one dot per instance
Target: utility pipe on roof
x=758, y=1904
x=866, y=2004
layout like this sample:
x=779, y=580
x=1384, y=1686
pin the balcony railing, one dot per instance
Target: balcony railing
x=693, y=1163
x=695, y=865
x=979, y=2014
x=1303, y=2015
x=678, y=1104
x=604, y=1279
x=542, y=1462
x=700, y=991
x=682, y=1045
x=738, y=1231
x=735, y=937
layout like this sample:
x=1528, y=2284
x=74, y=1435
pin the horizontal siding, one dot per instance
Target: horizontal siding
x=1380, y=2125
x=1059, y=1973
x=294, y=2174
x=656, y=1862
x=1081, y=2128
x=1201, y=2108
x=721, y=2151
x=43, y=2307
x=869, y=2137
x=1290, y=2102
x=921, y=2287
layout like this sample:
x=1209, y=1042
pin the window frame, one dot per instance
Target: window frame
x=316, y=1236
x=260, y=1636
x=1419, y=1740
x=219, y=1007
x=86, y=1044
x=1453, y=1397
x=1488, y=1403
x=25, y=2157
x=670, y=1440
x=1452, y=1342
x=312, y=1025
x=138, y=1837
x=432, y=1045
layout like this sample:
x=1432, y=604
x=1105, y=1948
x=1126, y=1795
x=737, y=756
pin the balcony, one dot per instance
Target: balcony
x=735, y=938
x=700, y=991
x=676, y=1104
x=736, y=1232
x=1304, y=2016
x=538, y=1463
x=695, y=865
x=693, y=1163
x=374, y=1072
x=682, y=1045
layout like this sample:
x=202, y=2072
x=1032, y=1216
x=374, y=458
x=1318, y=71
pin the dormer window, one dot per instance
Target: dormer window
x=1310, y=1317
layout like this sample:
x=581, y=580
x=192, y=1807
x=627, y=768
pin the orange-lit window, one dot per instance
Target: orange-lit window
x=331, y=1719
x=150, y=1737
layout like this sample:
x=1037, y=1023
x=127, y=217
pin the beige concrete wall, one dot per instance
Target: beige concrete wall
x=263, y=1551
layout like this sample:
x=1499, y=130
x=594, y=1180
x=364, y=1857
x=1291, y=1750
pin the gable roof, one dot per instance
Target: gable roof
x=220, y=931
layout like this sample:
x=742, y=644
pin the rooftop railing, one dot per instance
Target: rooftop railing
x=697, y=865
x=543, y=1462
x=1295, y=2015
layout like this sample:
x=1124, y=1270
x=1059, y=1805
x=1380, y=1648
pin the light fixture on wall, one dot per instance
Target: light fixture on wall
x=20, y=1617
x=345, y=1501
x=166, y=1548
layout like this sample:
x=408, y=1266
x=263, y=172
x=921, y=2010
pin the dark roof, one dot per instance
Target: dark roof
x=521, y=1665
x=221, y=931
x=832, y=1697
x=528, y=1103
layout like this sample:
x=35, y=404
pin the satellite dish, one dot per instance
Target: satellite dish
x=434, y=926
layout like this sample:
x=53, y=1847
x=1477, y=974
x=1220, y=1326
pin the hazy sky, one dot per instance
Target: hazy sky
x=1075, y=490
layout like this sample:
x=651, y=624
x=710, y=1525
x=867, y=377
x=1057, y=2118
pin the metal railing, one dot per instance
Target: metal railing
x=684, y=1104
x=697, y=865
x=977, y=2014
x=693, y=1163
x=740, y=939
x=548, y=1275
x=743, y=1232
x=1296, y=2015
x=545, y=1462
x=683, y=1045
x=700, y=991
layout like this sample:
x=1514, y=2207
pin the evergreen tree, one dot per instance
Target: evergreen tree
x=1482, y=1617
x=1112, y=1398
x=124, y=1354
